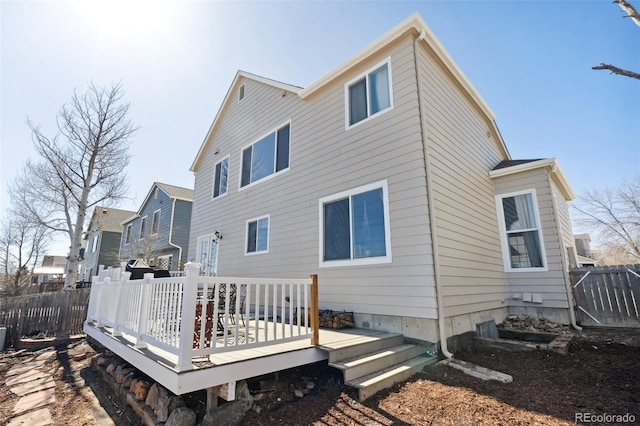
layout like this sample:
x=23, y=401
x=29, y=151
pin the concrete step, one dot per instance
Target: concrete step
x=373, y=383
x=362, y=365
x=361, y=346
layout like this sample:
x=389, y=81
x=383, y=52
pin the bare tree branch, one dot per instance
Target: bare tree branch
x=629, y=10
x=616, y=70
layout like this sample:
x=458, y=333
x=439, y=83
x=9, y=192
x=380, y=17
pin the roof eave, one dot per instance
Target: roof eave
x=565, y=187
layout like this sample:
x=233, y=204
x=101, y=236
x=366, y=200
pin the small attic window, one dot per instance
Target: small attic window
x=155, y=194
x=241, y=93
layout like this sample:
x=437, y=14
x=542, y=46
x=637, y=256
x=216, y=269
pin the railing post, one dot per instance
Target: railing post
x=118, y=316
x=94, y=301
x=101, y=314
x=143, y=312
x=187, y=316
x=315, y=327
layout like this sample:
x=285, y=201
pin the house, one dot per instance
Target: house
x=102, y=240
x=159, y=231
x=50, y=275
x=389, y=183
x=583, y=250
x=389, y=179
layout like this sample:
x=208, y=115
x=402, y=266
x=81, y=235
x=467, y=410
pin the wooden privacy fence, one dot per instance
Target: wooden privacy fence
x=58, y=313
x=607, y=296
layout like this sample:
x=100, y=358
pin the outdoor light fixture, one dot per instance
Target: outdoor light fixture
x=218, y=235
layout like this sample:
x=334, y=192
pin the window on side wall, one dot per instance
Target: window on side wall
x=522, y=244
x=257, y=235
x=155, y=221
x=369, y=94
x=143, y=226
x=266, y=157
x=127, y=237
x=220, y=178
x=354, y=228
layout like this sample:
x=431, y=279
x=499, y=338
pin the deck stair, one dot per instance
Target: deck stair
x=374, y=364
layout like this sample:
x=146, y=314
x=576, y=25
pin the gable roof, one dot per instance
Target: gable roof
x=519, y=166
x=109, y=219
x=239, y=75
x=414, y=24
x=174, y=192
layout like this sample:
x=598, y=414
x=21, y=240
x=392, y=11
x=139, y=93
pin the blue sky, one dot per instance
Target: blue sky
x=530, y=60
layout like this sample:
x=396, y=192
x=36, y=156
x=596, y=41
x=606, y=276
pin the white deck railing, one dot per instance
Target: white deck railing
x=195, y=316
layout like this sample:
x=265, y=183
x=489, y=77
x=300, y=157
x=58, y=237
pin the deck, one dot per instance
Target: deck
x=220, y=368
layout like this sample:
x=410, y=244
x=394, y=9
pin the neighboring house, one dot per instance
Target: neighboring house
x=102, y=240
x=389, y=178
x=50, y=275
x=583, y=250
x=159, y=231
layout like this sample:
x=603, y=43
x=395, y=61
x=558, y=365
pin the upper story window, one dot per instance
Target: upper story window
x=258, y=235
x=220, y=178
x=369, y=94
x=522, y=244
x=143, y=227
x=155, y=221
x=241, y=93
x=355, y=227
x=127, y=235
x=94, y=245
x=266, y=157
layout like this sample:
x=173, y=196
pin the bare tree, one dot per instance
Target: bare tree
x=614, y=216
x=21, y=246
x=635, y=17
x=83, y=165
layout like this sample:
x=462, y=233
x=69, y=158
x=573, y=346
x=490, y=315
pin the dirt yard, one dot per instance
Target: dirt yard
x=600, y=375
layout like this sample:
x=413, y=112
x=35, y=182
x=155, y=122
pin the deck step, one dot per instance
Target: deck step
x=362, y=365
x=372, y=383
x=362, y=346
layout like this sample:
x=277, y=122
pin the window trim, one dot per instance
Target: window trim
x=246, y=236
x=157, y=224
x=388, y=258
x=94, y=243
x=143, y=220
x=504, y=239
x=213, y=190
x=275, y=173
x=366, y=74
x=241, y=93
x=127, y=235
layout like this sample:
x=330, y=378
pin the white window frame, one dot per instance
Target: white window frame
x=94, y=243
x=127, y=235
x=246, y=237
x=213, y=191
x=157, y=224
x=365, y=74
x=143, y=221
x=388, y=258
x=275, y=173
x=504, y=239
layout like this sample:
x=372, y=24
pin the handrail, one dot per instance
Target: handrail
x=194, y=316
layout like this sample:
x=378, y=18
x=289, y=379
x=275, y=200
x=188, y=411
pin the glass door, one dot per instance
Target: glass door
x=208, y=255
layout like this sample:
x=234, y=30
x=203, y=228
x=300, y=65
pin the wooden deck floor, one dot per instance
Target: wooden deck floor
x=225, y=367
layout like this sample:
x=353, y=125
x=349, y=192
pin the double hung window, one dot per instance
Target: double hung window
x=369, y=94
x=266, y=157
x=522, y=243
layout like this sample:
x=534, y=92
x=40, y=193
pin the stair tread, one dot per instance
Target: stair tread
x=358, y=341
x=373, y=356
x=380, y=375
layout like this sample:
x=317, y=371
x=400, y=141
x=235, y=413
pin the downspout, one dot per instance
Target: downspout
x=563, y=257
x=432, y=217
x=173, y=209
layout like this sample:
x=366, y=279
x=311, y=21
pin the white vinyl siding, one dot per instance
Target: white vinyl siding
x=325, y=160
x=461, y=152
